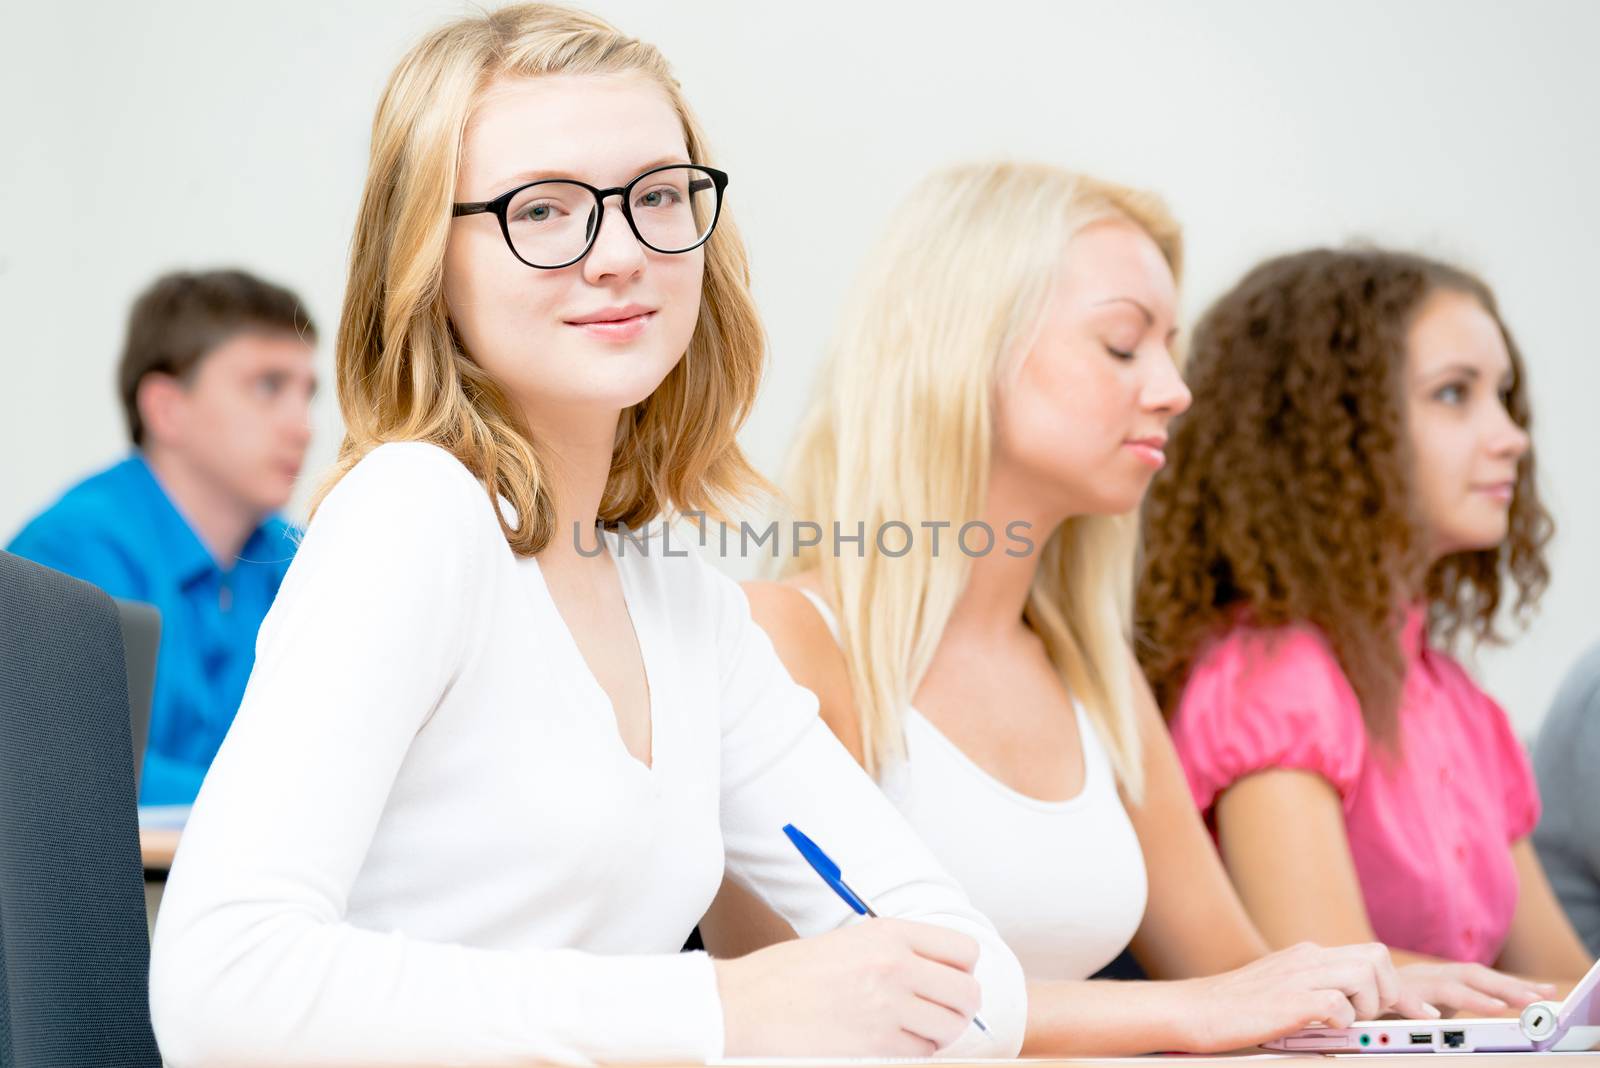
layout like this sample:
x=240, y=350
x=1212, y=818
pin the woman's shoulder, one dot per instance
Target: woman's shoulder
x=1261, y=658
x=418, y=469
x=1279, y=678
x=1483, y=719
x=420, y=462
x=803, y=633
x=1268, y=698
x=788, y=611
x=788, y=604
x=407, y=491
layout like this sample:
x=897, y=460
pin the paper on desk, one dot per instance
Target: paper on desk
x=163, y=817
x=825, y=1062
x=828, y=1062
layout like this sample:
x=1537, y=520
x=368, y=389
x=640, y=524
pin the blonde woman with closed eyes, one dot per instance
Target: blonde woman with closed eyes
x=1001, y=383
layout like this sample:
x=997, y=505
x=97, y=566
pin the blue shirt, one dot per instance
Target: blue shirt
x=119, y=530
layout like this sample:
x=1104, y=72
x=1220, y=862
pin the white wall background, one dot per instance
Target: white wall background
x=139, y=137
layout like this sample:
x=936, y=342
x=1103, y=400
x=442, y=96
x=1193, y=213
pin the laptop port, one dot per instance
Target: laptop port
x=1421, y=1038
x=1454, y=1039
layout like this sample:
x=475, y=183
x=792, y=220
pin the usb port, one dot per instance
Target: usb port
x=1421, y=1038
x=1454, y=1039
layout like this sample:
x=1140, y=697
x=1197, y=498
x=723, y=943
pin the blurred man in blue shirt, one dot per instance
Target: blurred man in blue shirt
x=216, y=382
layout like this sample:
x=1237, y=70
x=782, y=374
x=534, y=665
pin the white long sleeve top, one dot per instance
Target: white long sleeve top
x=423, y=841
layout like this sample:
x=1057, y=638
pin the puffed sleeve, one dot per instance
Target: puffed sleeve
x=1261, y=701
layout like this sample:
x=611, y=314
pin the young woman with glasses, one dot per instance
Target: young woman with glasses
x=493, y=757
x=1000, y=385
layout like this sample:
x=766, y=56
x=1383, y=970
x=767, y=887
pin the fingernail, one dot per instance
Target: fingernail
x=1433, y=1013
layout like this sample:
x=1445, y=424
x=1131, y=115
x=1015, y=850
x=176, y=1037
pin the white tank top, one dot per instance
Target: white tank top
x=1063, y=881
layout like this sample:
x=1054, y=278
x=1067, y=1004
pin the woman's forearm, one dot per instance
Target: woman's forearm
x=1103, y=1018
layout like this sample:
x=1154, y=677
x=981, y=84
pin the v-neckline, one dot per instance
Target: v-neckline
x=586, y=672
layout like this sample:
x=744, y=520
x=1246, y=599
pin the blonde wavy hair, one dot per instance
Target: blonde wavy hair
x=402, y=373
x=901, y=429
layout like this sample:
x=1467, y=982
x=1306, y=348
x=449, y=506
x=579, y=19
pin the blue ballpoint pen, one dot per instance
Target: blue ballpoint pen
x=824, y=866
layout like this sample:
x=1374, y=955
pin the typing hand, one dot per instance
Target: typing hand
x=1472, y=989
x=1298, y=987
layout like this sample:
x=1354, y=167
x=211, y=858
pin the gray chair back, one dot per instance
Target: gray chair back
x=141, y=642
x=74, y=950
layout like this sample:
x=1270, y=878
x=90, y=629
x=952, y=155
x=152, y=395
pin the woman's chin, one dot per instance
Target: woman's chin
x=603, y=388
x=1123, y=500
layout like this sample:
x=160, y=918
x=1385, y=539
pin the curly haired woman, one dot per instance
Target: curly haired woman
x=1351, y=489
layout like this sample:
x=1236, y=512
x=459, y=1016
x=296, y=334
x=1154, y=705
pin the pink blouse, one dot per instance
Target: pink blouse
x=1429, y=828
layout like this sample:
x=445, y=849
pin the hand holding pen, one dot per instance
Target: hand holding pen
x=889, y=988
x=824, y=866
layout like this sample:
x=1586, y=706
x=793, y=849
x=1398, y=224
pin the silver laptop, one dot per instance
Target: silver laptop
x=1574, y=1024
x=141, y=641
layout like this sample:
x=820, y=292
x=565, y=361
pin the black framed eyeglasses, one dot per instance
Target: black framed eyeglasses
x=553, y=222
